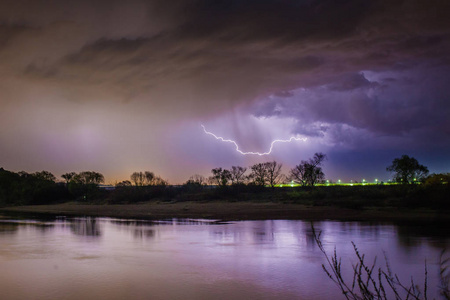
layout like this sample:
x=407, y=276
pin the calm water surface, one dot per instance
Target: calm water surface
x=101, y=258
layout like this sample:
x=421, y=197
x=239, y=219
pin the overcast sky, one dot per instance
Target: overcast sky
x=123, y=86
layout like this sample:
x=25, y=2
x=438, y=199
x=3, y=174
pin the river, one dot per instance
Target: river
x=103, y=258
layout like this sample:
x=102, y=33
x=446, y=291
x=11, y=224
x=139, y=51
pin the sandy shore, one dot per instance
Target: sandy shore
x=231, y=211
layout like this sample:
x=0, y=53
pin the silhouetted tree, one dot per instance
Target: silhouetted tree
x=273, y=172
x=407, y=170
x=68, y=176
x=138, y=178
x=220, y=176
x=123, y=183
x=195, y=183
x=89, y=178
x=149, y=177
x=258, y=175
x=157, y=180
x=438, y=179
x=197, y=180
x=85, y=184
x=237, y=174
x=24, y=188
x=44, y=175
x=24, y=174
x=309, y=172
x=298, y=173
x=145, y=178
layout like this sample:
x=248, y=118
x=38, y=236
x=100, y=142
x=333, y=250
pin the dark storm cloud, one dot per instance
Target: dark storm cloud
x=342, y=70
x=352, y=81
x=288, y=20
x=229, y=51
x=9, y=31
x=416, y=104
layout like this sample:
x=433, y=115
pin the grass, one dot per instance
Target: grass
x=369, y=283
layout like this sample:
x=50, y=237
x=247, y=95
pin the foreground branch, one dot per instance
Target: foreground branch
x=381, y=284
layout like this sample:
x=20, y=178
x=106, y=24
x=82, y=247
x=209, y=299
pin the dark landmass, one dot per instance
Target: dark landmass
x=223, y=210
x=40, y=193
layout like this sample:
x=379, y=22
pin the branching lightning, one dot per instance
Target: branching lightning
x=253, y=153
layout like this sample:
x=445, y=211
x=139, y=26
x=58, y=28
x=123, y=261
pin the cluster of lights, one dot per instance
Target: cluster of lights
x=338, y=182
x=352, y=183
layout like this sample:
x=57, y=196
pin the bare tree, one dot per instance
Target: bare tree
x=220, y=176
x=298, y=173
x=149, y=177
x=309, y=172
x=143, y=178
x=258, y=174
x=237, y=174
x=197, y=179
x=157, y=180
x=273, y=172
x=138, y=178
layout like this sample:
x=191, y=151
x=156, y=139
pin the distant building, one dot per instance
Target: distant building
x=106, y=187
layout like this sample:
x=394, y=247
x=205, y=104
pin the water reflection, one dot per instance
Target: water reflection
x=411, y=234
x=177, y=221
x=85, y=227
x=8, y=228
x=309, y=237
x=142, y=233
x=192, y=259
x=12, y=226
x=139, y=229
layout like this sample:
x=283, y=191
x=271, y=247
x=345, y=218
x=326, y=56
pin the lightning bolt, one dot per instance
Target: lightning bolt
x=253, y=153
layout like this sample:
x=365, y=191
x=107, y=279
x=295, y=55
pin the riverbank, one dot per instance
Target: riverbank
x=229, y=211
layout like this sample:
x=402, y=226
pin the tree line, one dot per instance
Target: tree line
x=307, y=173
x=23, y=188
x=405, y=170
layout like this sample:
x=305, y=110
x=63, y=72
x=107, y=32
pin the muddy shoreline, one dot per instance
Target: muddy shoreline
x=231, y=211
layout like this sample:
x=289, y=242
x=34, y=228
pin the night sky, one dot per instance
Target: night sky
x=123, y=86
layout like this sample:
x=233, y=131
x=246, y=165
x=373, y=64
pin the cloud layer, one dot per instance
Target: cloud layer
x=87, y=74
